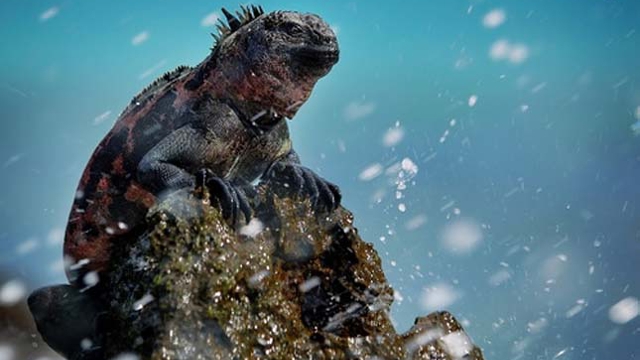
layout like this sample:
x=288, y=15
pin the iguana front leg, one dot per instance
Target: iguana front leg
x=180, y=161
x=169, y=165
x=291, y=178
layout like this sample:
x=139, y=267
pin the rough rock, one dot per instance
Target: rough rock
x=292, y=284
x=18, y=336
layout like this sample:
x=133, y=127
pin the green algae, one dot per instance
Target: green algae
x=297, y=284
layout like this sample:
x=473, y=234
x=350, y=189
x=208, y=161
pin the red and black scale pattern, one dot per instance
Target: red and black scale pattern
x=109, y=200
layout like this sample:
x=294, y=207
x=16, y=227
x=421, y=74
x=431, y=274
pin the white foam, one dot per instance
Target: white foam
x=494, y=18
x=371, y=172
x=359, y=109
x=438, y=297
x=140, y=38
x=624, y=311
x=12, y=292
x=210, y=20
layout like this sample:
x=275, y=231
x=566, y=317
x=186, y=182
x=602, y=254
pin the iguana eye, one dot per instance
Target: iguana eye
x=292, y=28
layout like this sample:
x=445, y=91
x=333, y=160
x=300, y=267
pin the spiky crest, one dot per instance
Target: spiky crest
x=166, y=78
x=234, y=22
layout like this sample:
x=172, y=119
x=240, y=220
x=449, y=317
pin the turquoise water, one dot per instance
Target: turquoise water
x=520, y=118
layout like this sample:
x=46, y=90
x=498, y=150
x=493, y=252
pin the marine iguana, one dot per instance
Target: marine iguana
x=221, y=123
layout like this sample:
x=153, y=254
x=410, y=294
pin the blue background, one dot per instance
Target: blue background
x=546, y=164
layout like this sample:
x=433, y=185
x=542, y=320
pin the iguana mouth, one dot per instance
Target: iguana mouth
x=317, y=56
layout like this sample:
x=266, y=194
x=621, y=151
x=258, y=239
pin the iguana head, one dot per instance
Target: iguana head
x=274, y=60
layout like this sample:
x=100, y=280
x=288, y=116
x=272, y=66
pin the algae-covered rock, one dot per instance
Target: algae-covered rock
x=439, y=336
x=292, y=284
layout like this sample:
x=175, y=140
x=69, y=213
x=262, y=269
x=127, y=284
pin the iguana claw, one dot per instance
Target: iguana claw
x=232, y=199
x=296, y=180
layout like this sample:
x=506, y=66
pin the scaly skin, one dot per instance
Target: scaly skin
x=224, y=118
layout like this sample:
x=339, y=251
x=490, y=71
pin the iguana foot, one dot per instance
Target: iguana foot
x=232, y=199
x=293, y=179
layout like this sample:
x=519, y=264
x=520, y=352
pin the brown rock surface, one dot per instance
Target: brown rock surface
x=292, y=284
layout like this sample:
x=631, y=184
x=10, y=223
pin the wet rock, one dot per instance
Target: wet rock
x=18, y=336
x=292, y=283
x=67, y=316
x=439, y=336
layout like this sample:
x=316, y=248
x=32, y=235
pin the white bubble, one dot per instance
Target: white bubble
x=560, y=353
x=27, y=246
x=444, y=136
x=438, y=297
x=537, y=89
x=473, y=99
x=457, y=344
x=520, y=346
x=210, y=20
x=57, y=266
x=12, y=160
x=447, y=206
x=101, y=118
x=393, y=169
x=378, y=196
x=55, y=236
x=462, y=236
x=91, y=279
x=49, y=13
x=77, y=265
x=393, y=137
x=371, y=172
x=518, y=53
x=635, y=127
x=423, y=338
x=86, y=344
x=499, y=277
x=253, y=228
x=309, y=284
x=397, y=296
x=7, y=352
x=126, y=356
x=416, y=222
x=537, y=326
x=142, y=302
x=409, y=166
x=494, y=18
x=624, y=311
x=257, y=278
x=552, y=267
x=12, y=292
x=504, y=50
x=575, y=310
x=500, y=50
x=463, y=62
x=359, y=109
x=140, y=38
